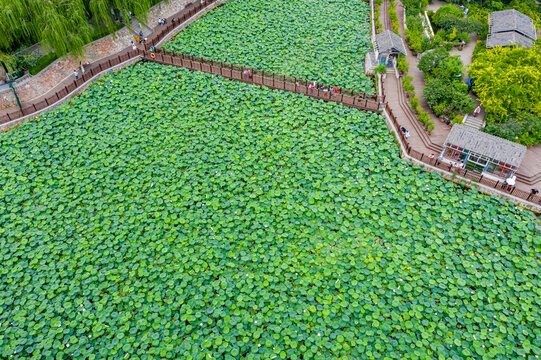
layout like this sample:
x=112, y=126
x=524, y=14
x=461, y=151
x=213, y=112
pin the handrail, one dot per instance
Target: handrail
x=468, y=174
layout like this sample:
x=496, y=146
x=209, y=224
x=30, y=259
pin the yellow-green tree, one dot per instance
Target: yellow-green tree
x=508, y=81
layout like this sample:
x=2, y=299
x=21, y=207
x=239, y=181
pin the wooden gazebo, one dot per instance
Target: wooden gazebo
x=388, y=47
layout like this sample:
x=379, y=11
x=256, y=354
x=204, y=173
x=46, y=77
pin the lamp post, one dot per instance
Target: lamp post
x=10, y=83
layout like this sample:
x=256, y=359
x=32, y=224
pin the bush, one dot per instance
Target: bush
x=380, y=69
x=458, y=119
x=42, y=63
x=414, y=102
x=424, y=118
x=432, y=60
x=453, y=94
x=406, y=80
x=402, y=65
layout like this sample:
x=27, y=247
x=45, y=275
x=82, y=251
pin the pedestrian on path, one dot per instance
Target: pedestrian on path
x=76, y=74
x=476, y=111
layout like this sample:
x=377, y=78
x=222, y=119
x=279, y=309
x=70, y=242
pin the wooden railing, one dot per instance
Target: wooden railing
x=432, y=160
x=272, y=80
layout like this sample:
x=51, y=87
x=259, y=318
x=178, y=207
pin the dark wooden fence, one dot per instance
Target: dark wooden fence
x=468, y=174
x=272, y=80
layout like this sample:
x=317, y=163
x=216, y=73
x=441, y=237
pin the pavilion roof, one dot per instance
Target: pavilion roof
x=388, y=40
x=508, y=38
x=511, y=20
x=485, y=144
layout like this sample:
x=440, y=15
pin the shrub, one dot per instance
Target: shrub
x=42, y=63
x=424, y=118
x=406, y=80
x=380, y=69
x=402, y=65
x=454, y=94
x=458, y=119
x=414, y=102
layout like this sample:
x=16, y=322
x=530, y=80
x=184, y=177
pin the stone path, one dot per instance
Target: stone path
x=44, y=83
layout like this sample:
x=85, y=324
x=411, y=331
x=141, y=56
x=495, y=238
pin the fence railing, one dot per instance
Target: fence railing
x=90, y=72
x=465, y=173
x=321, y=91
x=190, y=10
x=266, y=78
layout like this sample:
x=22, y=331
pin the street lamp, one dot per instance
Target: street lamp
x=10, y=83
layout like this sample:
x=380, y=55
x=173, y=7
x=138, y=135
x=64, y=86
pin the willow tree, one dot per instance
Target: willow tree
x=63, y=25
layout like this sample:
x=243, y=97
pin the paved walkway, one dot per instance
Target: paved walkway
x=45, y=83
x=395, y=95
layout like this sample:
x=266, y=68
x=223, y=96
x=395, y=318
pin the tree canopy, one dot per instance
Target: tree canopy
x=445, y=92
x=508, y=83
x=62, y=25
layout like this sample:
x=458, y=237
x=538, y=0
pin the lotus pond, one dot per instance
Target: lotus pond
x=315, y=40
x=166, y=213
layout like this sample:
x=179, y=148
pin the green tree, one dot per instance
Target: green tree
x=435, y=59
x=62, y=25
x=524, y=128
x=508, y=81
x=448, y=96
x=445, y=12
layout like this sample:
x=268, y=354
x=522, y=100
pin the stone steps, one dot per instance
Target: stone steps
x=474, y=122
